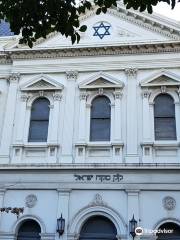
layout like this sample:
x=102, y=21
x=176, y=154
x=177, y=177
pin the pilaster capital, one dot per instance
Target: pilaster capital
x=132, y=192
x=178, y=91
x=72, y=75
x=83, y=95
x=131, y=72
x=2, y=191
x=63, y=191
x=57, y=96
x=14, y=77
x=118, y=94
x=145, y=93
x=24, y=97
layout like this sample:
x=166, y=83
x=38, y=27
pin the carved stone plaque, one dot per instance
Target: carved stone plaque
x=169, y=203
x=31, y=201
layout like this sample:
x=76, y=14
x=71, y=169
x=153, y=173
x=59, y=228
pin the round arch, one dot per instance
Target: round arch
x=95, y=95
x=83, y=215
x=34, y=97
x=98, y=227
x=21, y=220
x=166, y=220
x=154, y=94
x=169, y=230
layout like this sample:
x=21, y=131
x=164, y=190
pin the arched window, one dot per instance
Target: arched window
x=164, y=118
x=29, y=230
x=39, y=121
x=100, y=119
x=98, y=228
x=169, y=231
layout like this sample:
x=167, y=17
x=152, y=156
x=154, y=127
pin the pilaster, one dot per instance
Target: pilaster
x=9, y=118
x=2, y=194
x=68, y=126
x=54, y=119
x=21, y=118
x=132, y=138
x=133, y=206
x=82, y=117
x=117, y=116
x=177, y=114
x=63, y=208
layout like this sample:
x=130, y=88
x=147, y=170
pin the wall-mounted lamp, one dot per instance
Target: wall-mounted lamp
x=132, y=226
x=60, y=225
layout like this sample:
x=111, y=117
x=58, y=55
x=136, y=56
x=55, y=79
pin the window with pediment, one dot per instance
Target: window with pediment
x=164, y=118
x=100, y=119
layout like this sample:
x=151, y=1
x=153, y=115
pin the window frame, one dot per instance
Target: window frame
x=30, y=140
x=104, y=118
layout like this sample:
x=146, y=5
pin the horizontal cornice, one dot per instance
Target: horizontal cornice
x=153, y=48
x=114, y=167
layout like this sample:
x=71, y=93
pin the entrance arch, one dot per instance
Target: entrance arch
x=175, y=235
x=29, y=230
x=98, y=228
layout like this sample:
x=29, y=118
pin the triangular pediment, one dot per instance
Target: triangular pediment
x=162, y=78
x=101, y=80
x=41, y=83
x=117, y=27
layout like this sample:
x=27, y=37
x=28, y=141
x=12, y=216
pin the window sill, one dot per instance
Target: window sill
x=99, y=144
x=36, y=145
x=166, y=143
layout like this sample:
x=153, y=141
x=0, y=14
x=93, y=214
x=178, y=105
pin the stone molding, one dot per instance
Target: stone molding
x=171, y=47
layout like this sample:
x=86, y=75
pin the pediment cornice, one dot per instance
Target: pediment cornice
x=41, y=83
x=169, y=29
x=101, y=80
x=160, y=79
x=152, y=48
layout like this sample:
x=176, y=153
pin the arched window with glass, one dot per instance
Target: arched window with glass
x=164, y=118
x=100, y=126
x=29, y=230
x=39, y=121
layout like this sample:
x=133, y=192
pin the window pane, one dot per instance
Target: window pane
x=40, y=109
x=38, y=131
x=164, y=106
x=165, y=129
x=101, y=108
x=100, y=130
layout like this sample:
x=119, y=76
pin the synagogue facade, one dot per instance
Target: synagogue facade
x=90, y=132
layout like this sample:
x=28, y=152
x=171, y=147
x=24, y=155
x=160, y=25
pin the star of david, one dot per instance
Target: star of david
x=102, y=30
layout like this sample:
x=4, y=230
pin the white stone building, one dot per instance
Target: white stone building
x=92, y=131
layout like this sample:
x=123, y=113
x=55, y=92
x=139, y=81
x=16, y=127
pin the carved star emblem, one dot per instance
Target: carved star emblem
x=102, y=30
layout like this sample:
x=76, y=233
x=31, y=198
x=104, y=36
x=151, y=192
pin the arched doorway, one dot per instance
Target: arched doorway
x=174, y=235
x=29, y=230
x=98, y=227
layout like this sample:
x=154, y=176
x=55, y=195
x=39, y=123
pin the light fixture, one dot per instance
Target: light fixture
x=132, y=226
x=60, y=225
